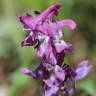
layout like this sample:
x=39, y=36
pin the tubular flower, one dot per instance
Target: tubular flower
x=46, y=35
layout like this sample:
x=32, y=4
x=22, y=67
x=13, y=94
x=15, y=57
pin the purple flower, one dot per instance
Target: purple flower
x=39, y=73
x=31, y=23
x=61, y=79
x=51, y=86
x=64, y=79
x=47, y=37
x=46, y=31
x=82, y=70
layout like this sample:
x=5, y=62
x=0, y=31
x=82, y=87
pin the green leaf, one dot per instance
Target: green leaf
x=88, y=86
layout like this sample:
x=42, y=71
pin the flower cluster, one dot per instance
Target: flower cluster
x=45, y=34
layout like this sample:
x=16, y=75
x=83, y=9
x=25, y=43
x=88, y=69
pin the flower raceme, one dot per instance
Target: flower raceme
x=46, y=35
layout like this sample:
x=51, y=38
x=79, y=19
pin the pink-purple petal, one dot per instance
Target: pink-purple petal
x=41, y=50
x=52, y=59
x=82, y=70
x=60, y=46
x=26, y=20
x=45, y=13
x=25, y=70
x=51, y=91
x=59, y=73
x=29, y=40
x=67, y=22
x=48, y=82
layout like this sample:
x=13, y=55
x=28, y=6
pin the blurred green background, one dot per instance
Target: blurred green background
x=13, y=56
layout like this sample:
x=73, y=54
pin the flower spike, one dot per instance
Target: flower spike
x=47, y=37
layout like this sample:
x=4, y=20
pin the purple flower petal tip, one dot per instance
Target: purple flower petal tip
x=68, y=22
x=57, y=5
x=83, y=63
x=83, y=69
x=25, y=70
x=26, y=20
